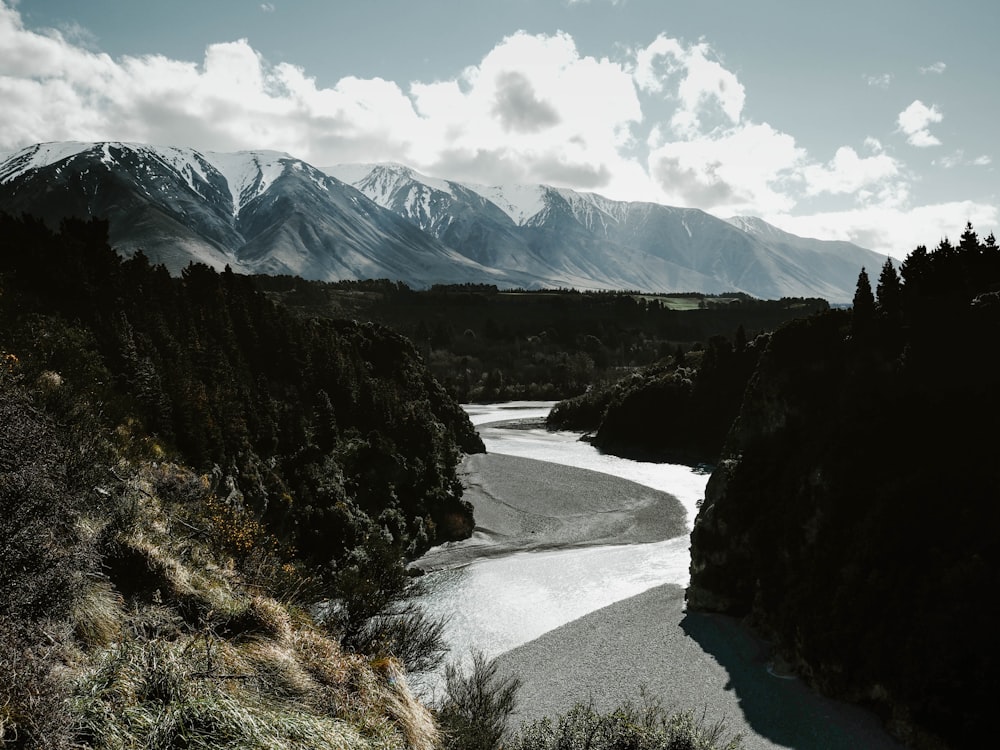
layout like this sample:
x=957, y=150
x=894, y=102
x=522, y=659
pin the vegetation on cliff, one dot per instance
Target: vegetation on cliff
x=677, y=410
x=185, y=471
x=206, y=504
x=854, y=513
x=133, y=616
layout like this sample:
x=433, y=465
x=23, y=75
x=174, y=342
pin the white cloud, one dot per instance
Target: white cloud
x=667, y=123
x=937, y=68
x=748, y=168
x=958, y=159
x=879, y=81
x=535, y=107
x=849, y=173
x=702, y=86
x=892, y=230
x=914, y=122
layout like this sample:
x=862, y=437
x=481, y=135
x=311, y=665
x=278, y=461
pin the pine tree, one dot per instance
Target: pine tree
x=864, y=304
x=889, y=290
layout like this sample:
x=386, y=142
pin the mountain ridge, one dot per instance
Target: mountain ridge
x=269, y=212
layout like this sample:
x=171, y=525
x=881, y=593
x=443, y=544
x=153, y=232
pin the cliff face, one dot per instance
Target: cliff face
x=853, y=516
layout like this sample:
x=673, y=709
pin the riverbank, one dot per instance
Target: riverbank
x=581, y=623
x=522, y=504
x=709, y=664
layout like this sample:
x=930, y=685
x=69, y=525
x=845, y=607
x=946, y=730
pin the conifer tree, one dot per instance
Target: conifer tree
x=864, y=304
x=888, y=290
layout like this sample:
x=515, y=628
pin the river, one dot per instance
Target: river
x=494, y=604
x=582, y=620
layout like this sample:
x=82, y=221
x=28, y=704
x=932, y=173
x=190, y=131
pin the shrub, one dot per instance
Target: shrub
x=643, y=726
x=477, y=705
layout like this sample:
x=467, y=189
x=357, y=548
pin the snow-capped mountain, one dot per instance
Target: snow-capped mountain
x=259, y=212
x=584, y=240
x=267, y=212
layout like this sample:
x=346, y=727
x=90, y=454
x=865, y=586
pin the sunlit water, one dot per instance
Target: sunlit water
x=496, y=604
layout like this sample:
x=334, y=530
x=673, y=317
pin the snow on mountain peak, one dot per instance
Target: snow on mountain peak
x=39, y=155
x=248, y=173
x=519, y=202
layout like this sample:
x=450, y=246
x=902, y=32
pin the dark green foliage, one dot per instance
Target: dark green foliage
x=863, y=309
x=855, y=512
x=679, y=411
x=488, y=345
x=889, y=291
x=477, y=704
x=327, y=429
x=375, y=614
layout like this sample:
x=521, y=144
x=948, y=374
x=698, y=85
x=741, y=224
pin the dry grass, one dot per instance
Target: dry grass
x=98, y=614
x=176, y=651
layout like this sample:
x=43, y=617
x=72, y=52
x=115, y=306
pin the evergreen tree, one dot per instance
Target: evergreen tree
x=864, y=304
x=969, y=241
x=888, y=290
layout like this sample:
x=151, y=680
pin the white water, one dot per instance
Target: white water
x=496, y=604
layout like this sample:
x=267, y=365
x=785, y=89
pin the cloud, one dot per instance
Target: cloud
x=743, y=169
x=891, y=230
x=879, y=81
x=849, y=173
x=665, y=122
x=914, y=121
x=536, y=102
x=958, y=159
x=937, y=68
x=518, y=107
x=267, y=7
x=704, y=89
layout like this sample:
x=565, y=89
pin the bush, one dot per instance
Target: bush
x=477, y=705
x=646, y=726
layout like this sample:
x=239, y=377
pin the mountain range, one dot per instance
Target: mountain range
x=268, y=212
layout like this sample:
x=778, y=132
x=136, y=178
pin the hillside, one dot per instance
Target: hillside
x=182, y=461
x=853, y=514
x=262, y=212
x=569, y=239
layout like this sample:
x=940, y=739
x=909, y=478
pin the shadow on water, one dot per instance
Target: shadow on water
x=781, y=709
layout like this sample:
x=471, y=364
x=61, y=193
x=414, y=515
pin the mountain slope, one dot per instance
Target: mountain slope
x=259, y=212
x=584, y=240
x=267, y=212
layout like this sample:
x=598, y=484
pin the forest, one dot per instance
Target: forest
x=152, y=424
x=853, y=513
x=483, y=344
x=207, y=504
x=188, y=465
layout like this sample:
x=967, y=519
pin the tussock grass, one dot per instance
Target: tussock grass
x=171, y=648
x=201, y=691
x=98, y=614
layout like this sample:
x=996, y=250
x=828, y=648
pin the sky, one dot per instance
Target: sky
x=873, y=122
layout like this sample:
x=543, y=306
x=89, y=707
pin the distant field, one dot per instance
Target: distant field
x=693, y=302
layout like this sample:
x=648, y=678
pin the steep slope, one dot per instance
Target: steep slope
x=583, y=240
x=171, y=203
x=832, y=265
x=259, y=212
x=853, y=515
x=311, y=225
x=267, y=212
